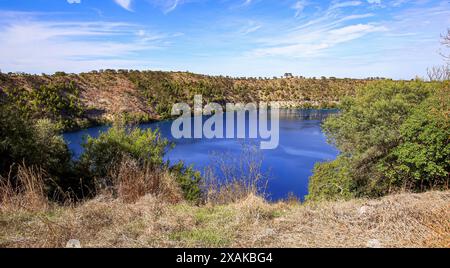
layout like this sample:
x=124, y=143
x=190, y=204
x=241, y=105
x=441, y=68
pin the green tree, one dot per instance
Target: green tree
x=102, y=153
x=388, y=137
x=422, y=159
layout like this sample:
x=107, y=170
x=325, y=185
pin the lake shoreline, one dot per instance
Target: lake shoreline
x=301, y=146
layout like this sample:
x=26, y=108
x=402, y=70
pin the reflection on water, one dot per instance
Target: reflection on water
x=302, y=144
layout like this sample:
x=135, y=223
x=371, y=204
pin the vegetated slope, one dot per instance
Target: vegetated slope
x=82, y=99
x=404, y=220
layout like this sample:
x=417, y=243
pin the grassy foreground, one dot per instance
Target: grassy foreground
x=404, y=220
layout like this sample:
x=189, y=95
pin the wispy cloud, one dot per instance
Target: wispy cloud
x=309, y=44
x=299, y=6
x=247, y=2
x=126, y=4
x=392, y=45
x=45, y=46
x=74, y=1
x=395, y=38
x=168, y=6
x=337, y=4
x=313, y=37
x=250, y=27
x=172, y=5
x=376, y=2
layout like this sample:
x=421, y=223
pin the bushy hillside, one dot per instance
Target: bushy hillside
x=78, y=100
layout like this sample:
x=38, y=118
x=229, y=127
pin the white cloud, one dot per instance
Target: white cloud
x=250, y=27
x=247, y=2
x=376, y=2
x=358, y=29
x=315, y=42
x=328, y=29
x=337, y=5
x=74, y=1
x=299, y=6
x=367, y=45
x=397, y=3
x=168, y=6
x=357, y=16
x=331, y=41
x=126, y=4
x=172, y=6
x=73, y=46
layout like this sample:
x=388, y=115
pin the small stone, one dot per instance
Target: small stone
x=374, y=243
x=269, y=232
x=363, y=210
x=73, y=243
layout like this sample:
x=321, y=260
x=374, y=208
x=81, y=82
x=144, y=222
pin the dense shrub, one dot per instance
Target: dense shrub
x=28, y=143
x=145, y=147
x=102, y=153
x=392, y=136
x=422, y=159
x=189, y=180
x=331, y=180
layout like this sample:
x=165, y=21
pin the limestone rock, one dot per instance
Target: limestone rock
x=73, y=243
x=374, y=243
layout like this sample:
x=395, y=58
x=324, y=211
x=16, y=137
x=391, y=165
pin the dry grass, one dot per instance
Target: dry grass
x=405, y=220
x=25, y=191
x=146, y=210
x=131, y=181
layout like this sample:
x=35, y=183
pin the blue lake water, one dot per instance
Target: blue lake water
x=302, y=144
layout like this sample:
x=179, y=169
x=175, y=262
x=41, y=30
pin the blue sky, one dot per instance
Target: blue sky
x=397, y=38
